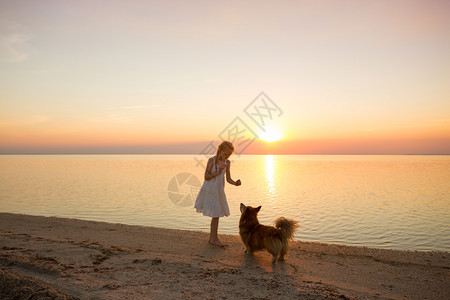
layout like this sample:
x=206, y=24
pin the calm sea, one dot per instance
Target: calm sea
x=397, y=202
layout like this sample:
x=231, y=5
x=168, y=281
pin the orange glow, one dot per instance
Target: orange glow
x=412, y=140
x=371, y=78
x=354, y=146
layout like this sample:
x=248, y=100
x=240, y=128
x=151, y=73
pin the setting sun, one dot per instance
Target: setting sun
x=271, y=134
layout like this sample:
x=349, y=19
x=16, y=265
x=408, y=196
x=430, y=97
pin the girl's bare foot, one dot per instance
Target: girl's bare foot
x=217, y=243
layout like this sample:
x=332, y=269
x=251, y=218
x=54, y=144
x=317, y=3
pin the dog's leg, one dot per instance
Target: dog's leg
x=274, y=258
x=248, y=249
x=282, y=254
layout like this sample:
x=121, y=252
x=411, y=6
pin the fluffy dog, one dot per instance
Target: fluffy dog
x=256, y=236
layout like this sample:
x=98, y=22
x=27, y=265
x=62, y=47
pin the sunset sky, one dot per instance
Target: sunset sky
x=347, y=77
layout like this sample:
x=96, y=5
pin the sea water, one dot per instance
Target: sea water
x=396, y=202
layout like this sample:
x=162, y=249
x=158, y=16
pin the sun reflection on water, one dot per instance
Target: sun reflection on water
x=271, y=179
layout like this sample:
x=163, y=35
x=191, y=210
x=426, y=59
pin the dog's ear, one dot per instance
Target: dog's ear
x=242, y=208
x=258, y=208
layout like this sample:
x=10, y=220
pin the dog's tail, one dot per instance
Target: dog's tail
x=287, y=227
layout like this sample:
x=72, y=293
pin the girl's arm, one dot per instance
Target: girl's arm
x=229, y=180
x=208, y=172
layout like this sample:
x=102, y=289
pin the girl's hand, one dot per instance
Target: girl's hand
x=222, y=165
x=238, y=182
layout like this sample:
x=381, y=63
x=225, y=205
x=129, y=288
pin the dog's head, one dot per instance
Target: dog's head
x=248, y=212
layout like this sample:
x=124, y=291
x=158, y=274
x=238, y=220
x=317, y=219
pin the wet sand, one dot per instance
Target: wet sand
x=47, y=257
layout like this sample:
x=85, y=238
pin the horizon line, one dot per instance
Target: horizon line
x=288, y=154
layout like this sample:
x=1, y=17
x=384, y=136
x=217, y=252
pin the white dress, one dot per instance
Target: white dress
x=211, y=200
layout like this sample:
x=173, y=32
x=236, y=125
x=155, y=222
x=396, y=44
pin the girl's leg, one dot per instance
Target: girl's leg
x=213, y=231
x=213, y=237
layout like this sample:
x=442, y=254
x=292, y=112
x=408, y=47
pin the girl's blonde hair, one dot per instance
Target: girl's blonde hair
x=224, y=145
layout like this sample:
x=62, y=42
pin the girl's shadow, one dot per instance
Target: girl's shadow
x=211, y=251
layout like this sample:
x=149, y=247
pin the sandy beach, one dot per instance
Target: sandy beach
x=48, y=257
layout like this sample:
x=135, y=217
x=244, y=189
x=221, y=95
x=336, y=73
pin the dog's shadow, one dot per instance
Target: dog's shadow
x=260, y=261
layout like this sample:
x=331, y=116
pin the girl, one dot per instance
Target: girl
x=211, y=200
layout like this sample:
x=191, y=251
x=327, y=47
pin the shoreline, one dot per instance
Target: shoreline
x=72, y=258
